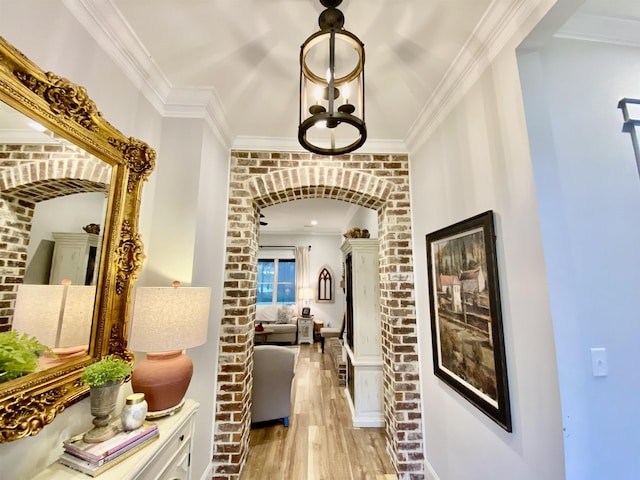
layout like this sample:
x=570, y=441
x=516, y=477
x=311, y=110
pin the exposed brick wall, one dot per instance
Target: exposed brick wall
x=380, y=182
x=31, y=173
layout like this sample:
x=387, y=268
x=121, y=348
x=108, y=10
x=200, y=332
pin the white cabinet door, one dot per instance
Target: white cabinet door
x=305, y=330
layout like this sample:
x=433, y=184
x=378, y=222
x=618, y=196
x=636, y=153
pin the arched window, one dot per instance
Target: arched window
x=325, y=286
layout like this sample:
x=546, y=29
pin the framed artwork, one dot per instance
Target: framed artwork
x=325, y=289
x=466, y=320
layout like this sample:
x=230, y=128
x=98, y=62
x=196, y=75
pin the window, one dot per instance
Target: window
x=276, y=281
x=325, y=286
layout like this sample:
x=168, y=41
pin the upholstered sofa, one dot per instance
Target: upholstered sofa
x=282, y=319
x=273, y=372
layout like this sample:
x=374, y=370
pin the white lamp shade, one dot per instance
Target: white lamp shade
x=167, y=318
x=306, y=293
x=37, y=312
x=78, y=315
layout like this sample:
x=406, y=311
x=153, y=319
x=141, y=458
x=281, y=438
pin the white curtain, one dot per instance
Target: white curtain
x=302, y=270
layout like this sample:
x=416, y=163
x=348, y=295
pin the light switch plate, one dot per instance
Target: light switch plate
x=599, y=362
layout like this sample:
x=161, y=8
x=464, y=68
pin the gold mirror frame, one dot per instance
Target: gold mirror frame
x=29, y=403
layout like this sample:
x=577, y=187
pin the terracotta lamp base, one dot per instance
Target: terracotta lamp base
x=163, y=378
x=60, y=355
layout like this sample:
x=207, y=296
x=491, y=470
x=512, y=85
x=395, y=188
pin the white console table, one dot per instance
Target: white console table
x=167, y=458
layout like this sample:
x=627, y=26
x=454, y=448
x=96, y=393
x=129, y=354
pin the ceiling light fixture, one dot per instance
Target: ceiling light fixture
x=331, y=118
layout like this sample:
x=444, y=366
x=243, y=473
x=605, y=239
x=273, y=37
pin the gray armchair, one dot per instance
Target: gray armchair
x=273, y=372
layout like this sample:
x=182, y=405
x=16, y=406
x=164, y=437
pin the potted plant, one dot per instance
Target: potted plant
x=18, y=355
x=108, y=370
x=104, y=378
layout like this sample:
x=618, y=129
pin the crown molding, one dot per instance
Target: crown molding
x=500, y=23
x=601, y=29
x=106, y=25
x=290, y=144
x=104, y=22
x=308, y=231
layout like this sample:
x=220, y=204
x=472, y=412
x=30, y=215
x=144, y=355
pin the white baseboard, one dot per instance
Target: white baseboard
x=430, y=472
x=208, y=472
x=368, y=422
x=362, y=421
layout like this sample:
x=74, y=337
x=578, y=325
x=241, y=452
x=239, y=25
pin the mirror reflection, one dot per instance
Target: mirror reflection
x=53, y=202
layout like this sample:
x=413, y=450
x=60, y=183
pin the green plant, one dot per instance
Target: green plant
x=110, y=369
x=18, y=355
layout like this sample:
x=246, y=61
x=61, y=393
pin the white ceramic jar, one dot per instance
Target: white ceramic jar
x=134, y=412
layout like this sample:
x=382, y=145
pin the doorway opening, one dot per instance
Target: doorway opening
x=380, y=182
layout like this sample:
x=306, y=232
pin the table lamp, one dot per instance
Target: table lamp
x=305, y=294
x=37, y=312
x=59, y=316
x=77, y=315
x=167, y=320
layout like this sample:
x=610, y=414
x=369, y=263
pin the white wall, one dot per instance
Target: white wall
x=589, y=196
x=478, y=160
x=365, y=218
x=209, y=258
x=65, y=214
x=171, y=241
x=325, y=250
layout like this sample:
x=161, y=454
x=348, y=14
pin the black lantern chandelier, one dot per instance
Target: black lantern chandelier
x=332, y=87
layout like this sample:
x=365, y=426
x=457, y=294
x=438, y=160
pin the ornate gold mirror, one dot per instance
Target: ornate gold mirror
x=83, y=155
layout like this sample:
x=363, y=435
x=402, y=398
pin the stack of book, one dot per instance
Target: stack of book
x=95, y=458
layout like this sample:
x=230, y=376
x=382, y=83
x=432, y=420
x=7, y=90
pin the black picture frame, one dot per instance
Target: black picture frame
x=466, y=318
x=306, y=312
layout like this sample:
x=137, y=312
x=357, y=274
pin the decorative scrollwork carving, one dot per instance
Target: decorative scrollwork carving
x=117, y=345
x=64, y=98
x=130, y=257
x=140, y=158
x=25, y=415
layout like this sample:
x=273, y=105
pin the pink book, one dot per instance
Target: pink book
x=94, y=452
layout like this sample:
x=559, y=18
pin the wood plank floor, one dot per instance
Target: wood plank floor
x=320, y=443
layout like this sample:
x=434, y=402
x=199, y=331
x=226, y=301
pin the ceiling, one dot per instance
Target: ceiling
x=235, y=63
x=312, y=217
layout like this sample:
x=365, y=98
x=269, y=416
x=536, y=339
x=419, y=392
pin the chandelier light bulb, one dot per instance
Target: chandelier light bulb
x=318, y=94
x=345, y=93
x=321, y=124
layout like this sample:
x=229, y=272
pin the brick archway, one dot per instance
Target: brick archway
x=32, y=173
x=261, y=179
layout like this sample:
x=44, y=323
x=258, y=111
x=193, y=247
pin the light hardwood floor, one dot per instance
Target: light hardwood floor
x=320, y=443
